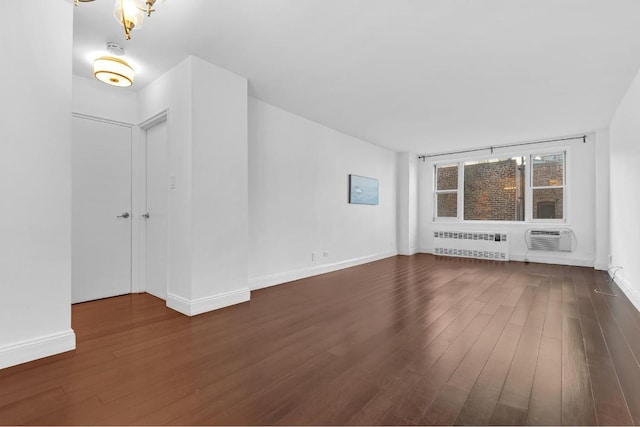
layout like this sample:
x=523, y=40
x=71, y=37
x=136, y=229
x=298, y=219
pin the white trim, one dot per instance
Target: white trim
x=556, y=260
x=289, y=276
x=601, y=266
x=407, y=252
x=631, y=293
x=141, y=205
x=154, y=120
x=26, y=351
x=566, y=152
x=137, y=228
x=102, y=119
x=203, y=305
x=437, y=192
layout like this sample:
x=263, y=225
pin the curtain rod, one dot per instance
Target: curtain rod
x=425, y=156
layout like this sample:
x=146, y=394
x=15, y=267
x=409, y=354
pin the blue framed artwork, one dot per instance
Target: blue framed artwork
x=363, y=190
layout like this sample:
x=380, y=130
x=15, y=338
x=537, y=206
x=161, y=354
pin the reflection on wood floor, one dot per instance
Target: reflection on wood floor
x=405, y=340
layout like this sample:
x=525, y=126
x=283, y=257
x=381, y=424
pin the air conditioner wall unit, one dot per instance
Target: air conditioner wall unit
x=550, y=240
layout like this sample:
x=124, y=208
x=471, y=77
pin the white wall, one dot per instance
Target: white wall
x=625, y=202
x=219, y=216
x=172, y=91
x=207, y=215
x=94, y=98
x=407, y=203
x=35, y=181
x=298, y=198
x=603, y=249
x=581, y=208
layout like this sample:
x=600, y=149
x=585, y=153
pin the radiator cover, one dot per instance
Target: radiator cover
x=477, y=244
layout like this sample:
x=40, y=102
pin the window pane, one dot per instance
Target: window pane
x=548, y=170
x=448, y=205
x=447, y=177
x=494, y=190
x=547, y=203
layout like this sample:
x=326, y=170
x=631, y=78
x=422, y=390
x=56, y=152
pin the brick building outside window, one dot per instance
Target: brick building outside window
x=495, y=189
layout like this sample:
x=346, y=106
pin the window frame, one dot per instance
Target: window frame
x=437, y=192
x=528, y=181
x=532, y=188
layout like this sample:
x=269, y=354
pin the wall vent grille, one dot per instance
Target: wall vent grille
x=477, y=244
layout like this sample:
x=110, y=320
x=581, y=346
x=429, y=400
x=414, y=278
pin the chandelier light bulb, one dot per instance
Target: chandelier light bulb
x=129, y=15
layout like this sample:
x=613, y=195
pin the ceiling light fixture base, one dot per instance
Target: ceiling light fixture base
x=115, y=48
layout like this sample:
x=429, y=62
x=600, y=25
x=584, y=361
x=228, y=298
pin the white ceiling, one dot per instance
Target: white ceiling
x=411, y=75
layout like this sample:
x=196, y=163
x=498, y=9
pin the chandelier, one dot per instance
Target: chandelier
x=129, y=13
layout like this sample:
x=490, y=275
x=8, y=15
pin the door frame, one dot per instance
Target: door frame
x=138, y=190
x=140, y=193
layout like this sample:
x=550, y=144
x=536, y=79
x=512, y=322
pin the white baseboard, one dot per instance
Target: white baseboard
x=600, y=266
x=631, y=293
x=203, y=305
x=546, y=259
x=26, y=351
x=407, y=251
x=289, y=276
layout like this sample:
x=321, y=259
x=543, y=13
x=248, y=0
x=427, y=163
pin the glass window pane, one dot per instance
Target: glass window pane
x=447, y=177
x=548, y=170
x=547, y=203
x=494, y=190
x=447, y=205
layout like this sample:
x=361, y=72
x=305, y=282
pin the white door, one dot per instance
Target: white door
x=157, y=201
x=101, y=210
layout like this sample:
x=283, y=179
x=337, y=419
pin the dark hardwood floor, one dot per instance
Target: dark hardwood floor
x=406, y=340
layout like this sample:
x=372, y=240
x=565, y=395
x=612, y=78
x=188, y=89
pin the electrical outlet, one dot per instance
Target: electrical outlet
x=325, y=254
x=313, y=256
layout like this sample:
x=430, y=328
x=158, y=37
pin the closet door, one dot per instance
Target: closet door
x=156, y=217
x=101, y=210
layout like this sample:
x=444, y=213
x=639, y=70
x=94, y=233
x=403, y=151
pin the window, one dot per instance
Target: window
x=447, y=191
x=509, y=188
x=494, y=189
x=546, y=210
x=547, y=185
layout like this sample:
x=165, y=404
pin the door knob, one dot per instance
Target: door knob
x=124, y=215
x=146, y=216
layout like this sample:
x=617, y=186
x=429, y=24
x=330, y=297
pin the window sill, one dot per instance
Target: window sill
x=558, y=222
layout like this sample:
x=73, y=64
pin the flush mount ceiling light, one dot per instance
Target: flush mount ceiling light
x=130, y=13
x=111, y=70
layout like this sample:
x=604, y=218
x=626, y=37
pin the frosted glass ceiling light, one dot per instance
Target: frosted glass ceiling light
x=113, y=71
